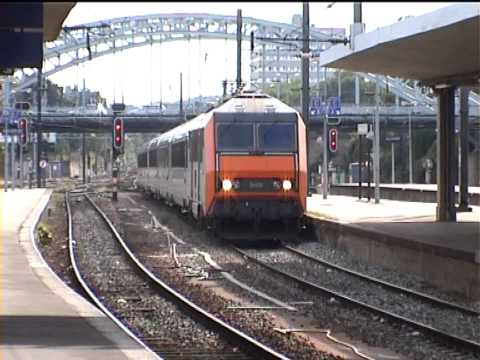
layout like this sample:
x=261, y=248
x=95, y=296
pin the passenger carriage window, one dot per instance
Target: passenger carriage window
x=234, y=137
x=152, y=158
x=142, y=160
x=196, y=146
x=276, y=137
x=163, y=157
x=193, y=146
x=178, y=154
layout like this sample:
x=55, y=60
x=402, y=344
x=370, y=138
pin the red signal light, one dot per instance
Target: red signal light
x=118, y=133
x=333, y=140
x=23, y=124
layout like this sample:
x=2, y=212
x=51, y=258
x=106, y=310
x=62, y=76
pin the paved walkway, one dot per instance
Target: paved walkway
x=428, y=187
x=40, y=317
x=349, y=209
x=412, y=220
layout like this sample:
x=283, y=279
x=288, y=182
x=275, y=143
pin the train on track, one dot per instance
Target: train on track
x=243, y=162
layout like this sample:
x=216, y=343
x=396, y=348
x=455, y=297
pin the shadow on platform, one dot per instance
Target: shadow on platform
x=55, y=331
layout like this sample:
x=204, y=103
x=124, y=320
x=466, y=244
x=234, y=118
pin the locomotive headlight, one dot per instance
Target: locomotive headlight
x=226, y=185
x=287, y=185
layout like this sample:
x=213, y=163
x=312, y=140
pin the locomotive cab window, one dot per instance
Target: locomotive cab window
x=276, y=137
x=234, y=137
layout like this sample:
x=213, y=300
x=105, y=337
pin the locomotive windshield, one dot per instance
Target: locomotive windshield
x=276, y=137
x=256, y=137
x=235, y=137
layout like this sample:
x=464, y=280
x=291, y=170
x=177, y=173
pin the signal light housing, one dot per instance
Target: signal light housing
x=333, y=136
x=22, y=106
x=23, y=125
x=118, y=133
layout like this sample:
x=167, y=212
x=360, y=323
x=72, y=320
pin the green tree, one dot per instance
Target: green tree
x=291, y=93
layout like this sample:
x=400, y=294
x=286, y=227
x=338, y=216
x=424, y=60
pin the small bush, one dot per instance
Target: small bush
x=44, y=235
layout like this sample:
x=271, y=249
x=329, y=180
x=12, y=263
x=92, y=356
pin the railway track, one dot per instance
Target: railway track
x=316, y=283
x=399, y=289
x=130, y=277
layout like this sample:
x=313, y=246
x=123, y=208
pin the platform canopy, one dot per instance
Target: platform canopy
x=24, y=27
x=54, y=14
x=435, y=48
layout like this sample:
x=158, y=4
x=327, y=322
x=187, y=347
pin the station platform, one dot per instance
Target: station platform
x=403, y=192
x=40, y=317
x=404, y=236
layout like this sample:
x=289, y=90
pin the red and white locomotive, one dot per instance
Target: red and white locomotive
x=244, y=160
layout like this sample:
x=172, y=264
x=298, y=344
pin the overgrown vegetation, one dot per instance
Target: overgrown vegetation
x=44, y=234
x=290, y=92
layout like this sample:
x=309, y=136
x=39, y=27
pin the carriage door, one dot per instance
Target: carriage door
x=195, y=164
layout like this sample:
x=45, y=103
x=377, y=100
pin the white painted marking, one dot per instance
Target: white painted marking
x=244, y=286
x=131, y=200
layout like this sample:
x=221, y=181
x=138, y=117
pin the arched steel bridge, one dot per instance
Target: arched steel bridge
x=114, y=35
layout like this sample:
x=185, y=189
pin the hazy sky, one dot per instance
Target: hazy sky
x=137, y=72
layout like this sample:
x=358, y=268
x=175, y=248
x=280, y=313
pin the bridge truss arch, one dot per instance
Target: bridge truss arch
x=119, y=34
x=114, y=35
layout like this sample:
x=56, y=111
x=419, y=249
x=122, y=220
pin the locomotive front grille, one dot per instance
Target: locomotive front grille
x=257, y=185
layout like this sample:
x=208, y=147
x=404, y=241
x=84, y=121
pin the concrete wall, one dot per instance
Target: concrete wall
x=454, y=274
x=474, y=168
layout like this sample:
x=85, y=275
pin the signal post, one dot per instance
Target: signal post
x=23, y=125
x=117, y=146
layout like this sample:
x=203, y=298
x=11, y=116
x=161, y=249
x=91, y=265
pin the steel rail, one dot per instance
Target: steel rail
x=86, y=288
x=400, y=289
x=453, y=339
x=250, y=345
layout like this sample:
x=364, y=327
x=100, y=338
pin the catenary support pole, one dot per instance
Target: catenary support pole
x=376, y=149
x=5, y=177
x=339, y=85
x=84, y=178
x=33, y=167
x=393, y=162
x=369, y=152
x=21, y=179
x=6, y=102
x=360, y=167
x=464, y=110
x=306, y=83
x=39, y=132
x=357, y=90
x=13, y=162
x=325, y=142
x=180, y=110
x=239, y=50
x=410, y=149
x=263, y=66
